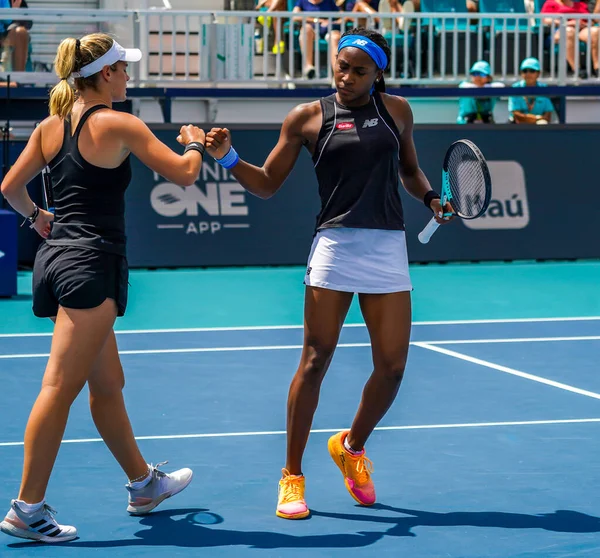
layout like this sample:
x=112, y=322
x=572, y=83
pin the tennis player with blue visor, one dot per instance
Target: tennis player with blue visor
x=361, y=143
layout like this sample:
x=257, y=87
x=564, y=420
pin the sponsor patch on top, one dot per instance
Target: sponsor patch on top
x=345, y=125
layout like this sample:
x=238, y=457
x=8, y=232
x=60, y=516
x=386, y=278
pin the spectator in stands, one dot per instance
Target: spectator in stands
x=530, y=110
x=473, y=6
x=14, y=38
x=364, y=6
x=307, y=33
x=374, y=6
x=595, y=9
x=478, y=110
x=273, y=6
x=379, y=5
x=577, y=30
x=593, y=6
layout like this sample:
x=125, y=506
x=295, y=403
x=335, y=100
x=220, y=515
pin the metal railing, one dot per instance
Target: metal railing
x=244, y=48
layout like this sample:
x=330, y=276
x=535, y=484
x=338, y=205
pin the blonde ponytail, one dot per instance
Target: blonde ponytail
x=71, y=56
x=62, y=96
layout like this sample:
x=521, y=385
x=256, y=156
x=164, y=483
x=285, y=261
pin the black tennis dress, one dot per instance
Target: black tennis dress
x=83, y=262
x=359, y=244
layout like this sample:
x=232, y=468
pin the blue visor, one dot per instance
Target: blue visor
x=367, y=45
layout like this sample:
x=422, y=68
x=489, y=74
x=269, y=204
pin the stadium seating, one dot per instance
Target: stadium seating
x=45, y=37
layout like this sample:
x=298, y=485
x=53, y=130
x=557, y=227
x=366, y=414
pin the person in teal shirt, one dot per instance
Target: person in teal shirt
x=530, y=110
x=478, y=110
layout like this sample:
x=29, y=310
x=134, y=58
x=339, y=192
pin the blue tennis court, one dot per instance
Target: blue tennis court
x=489, y=451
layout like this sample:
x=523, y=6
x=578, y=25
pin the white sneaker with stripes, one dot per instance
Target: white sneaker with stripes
x=36, y=526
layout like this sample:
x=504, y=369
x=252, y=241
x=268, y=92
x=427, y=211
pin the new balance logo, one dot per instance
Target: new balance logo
x=371, y=123
x=360, y=42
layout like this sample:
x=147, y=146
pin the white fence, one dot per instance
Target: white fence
x=192, y=48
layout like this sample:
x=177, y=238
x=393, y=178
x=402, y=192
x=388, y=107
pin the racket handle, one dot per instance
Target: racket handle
x=427, y=232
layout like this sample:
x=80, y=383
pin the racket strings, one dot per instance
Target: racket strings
x=467, y=181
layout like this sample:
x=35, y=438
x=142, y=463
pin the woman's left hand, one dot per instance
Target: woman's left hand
x=438, y=212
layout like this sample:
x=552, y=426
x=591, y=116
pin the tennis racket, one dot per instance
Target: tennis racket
x=47, y=189
x=466, y=184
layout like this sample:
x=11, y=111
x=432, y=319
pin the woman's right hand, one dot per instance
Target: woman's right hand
x=43, y=223
x=190, y=133
x=218, y=142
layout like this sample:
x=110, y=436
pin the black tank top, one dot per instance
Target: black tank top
x=89, y=201
x=356, y=161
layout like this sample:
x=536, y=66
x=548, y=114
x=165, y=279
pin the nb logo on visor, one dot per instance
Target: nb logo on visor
x=360, y=42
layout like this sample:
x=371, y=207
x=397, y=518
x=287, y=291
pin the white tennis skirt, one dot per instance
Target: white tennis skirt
x=359, y=261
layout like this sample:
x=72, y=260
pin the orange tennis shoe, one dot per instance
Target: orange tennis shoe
x=356, y=469
x=291, y=504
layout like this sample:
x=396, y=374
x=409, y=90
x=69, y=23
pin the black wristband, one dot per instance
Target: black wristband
x=429, y=197
x=195, y=146
x=32, y=218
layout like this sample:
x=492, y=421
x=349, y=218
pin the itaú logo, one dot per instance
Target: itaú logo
x=509, y=208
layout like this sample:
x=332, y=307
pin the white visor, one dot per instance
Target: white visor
x=116, y=53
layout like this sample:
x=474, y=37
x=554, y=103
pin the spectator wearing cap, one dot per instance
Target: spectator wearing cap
x=530, y=110
x=478, y=110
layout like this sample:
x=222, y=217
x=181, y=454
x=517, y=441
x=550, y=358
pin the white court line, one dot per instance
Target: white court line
x=514, y=340
x=283, y=327
x=340, y=346
x=507, y=370
x=333, y=430
x=195, y=350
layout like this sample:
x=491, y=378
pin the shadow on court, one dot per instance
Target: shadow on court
x=561, y=521
x=193, y=530
x=168, y=528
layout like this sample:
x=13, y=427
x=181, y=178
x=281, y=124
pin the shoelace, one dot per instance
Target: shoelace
x=364, y=468
x=292, y=489
x=46, y=508
x=51, y=512
x=154, y=469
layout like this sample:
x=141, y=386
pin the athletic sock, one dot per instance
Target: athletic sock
x=349, y=449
